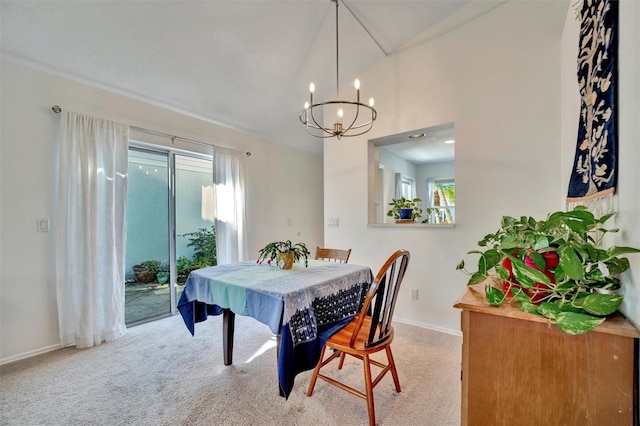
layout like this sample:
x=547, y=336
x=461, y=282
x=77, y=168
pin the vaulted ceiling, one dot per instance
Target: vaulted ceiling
x=245, y=64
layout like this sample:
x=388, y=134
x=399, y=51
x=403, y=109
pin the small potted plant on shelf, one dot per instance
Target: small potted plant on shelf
x=284, y=253
x=556, y=268
x=405, y=209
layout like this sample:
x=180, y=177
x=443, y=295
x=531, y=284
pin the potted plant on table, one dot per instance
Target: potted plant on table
x=556, y=268
x=284, y=253
x=405, y=209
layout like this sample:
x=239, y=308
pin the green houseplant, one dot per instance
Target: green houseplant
x=404, y=208
x=146, y=271
x=555, y=268
x=184, y=266
x=163, y=273
x=203, y=242
x=284, y=253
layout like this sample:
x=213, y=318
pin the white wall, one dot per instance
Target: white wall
x=627, y=198
x=507, y=81
x=282, y=184
x=498, y=79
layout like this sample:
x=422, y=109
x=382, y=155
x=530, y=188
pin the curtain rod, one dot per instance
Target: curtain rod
x=58, y=110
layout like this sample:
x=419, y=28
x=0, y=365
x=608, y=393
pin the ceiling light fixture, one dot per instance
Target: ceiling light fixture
x=352, y=118
x=417, y=136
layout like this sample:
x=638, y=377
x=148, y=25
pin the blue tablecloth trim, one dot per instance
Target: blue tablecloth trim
x=193, y=312
x=294, y=359
x=303, y=325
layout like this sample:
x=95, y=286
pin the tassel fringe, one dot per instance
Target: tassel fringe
x=598, y=206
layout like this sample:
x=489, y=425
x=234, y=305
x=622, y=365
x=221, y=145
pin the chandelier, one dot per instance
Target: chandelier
x=352, y=118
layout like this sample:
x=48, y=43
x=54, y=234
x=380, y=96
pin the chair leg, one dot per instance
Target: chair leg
x=314, y=376
x=342, y=356
x=392, y=367
x=369, y=390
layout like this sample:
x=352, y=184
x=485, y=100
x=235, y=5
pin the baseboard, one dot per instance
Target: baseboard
x=429, y=326
x=46, y=349
x=29, y=354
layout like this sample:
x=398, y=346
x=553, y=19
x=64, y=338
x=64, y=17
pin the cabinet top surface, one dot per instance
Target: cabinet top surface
x=473, y=299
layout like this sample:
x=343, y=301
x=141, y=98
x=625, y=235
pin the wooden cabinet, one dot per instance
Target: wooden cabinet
x=518, y=369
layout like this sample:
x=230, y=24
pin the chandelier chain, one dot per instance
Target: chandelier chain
x=337, y=54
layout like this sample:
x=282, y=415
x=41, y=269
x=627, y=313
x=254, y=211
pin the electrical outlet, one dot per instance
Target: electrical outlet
x=414, y=294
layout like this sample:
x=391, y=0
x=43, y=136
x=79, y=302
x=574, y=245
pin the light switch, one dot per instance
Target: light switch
x=43, y=225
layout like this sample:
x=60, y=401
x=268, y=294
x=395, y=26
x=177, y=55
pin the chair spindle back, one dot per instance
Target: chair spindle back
x=332, y=255
x=381, y=298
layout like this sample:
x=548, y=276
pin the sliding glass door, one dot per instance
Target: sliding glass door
x=169, y=228
x=147, y=289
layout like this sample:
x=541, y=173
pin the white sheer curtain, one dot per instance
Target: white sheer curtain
x=229, y=205
x=398, y=186
x=431, y=186
x=90, y=229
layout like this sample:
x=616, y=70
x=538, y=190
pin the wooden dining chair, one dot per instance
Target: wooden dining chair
x=369, y=332
x=333, y=255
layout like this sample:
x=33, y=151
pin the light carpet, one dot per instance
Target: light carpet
x=158, y=374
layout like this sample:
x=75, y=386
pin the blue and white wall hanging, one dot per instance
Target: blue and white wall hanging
x=595, y=168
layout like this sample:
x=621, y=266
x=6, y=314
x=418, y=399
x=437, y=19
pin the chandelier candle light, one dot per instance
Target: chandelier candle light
x=344, y=126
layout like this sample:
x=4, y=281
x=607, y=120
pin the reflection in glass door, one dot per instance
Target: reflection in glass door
x=147, y=288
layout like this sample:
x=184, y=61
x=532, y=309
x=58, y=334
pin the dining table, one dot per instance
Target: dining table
x=303, y=306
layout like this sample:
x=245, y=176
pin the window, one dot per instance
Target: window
x=408, y=187
x=442, y=201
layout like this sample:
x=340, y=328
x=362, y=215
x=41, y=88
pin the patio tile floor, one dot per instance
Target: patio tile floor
x=147, y=300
